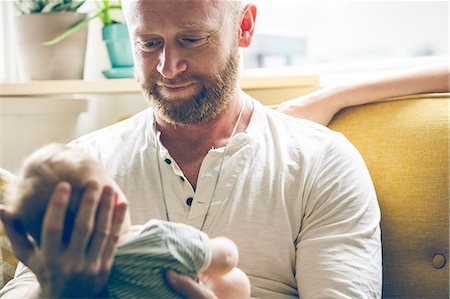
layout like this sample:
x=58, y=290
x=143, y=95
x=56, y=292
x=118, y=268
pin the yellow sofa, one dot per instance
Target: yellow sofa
x=404, y=142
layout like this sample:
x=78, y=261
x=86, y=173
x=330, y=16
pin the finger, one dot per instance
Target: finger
x=119, y=215
x=187, y=287
x=53, y=224
x=103, y=223
x=84, y=220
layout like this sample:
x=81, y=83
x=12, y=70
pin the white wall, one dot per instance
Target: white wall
x=336, y=31
x=8, y=64
x=359, y=30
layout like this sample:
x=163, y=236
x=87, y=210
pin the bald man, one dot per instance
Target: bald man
x=294, y=196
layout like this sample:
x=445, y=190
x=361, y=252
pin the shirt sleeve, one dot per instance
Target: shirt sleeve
x=20, y=286
x=189, y=245
x=339, y=244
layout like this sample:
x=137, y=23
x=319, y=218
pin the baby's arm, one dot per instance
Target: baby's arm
x=321, y=105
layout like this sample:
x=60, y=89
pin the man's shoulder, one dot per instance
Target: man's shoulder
x=120, y=130
x=292, y=129
x=300, y=137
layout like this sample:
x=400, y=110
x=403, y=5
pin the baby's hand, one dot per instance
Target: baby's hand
x=224, y=256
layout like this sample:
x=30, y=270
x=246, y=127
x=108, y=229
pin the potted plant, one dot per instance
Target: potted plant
x=115, y=35
x=40, y=20
x=117, y=43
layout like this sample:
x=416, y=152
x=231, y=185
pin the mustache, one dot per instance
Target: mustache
x=157, y=79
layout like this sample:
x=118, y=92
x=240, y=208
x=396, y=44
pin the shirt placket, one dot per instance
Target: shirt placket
x=206, y=183
x=178, y=192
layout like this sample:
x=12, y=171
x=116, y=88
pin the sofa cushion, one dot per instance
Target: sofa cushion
x=8, y=261
x=405, y=146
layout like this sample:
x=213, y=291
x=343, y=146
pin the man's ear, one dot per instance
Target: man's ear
x=247, y=26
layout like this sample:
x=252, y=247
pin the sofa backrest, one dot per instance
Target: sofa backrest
x=405, y=144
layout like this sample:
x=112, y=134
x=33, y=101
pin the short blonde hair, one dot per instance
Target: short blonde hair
x=236, y=10
x=40, y=173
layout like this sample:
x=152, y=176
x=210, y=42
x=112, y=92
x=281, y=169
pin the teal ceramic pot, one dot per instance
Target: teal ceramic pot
x=118, y=44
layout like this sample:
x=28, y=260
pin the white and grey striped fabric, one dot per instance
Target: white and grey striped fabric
x=140, y=264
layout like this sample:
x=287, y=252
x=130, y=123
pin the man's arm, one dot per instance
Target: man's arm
x=339, y=245
x=321, y=106
x=81, y=267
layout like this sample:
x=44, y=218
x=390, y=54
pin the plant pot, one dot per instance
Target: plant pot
x=117, y=42
x=62, y=61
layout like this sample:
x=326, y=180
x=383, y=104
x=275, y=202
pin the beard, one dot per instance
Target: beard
x=213, y=97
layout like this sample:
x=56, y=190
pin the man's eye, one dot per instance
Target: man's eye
x=149, y=45
x=194, y=40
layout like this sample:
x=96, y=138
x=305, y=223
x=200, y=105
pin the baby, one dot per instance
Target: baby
x=144, y=252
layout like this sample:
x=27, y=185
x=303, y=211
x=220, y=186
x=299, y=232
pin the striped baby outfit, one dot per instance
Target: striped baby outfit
x=140, y=264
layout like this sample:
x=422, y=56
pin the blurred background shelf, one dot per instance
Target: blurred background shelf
x=263, y=87
x=38, y=112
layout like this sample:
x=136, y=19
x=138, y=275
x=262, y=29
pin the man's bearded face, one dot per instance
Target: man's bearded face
x=214, y=95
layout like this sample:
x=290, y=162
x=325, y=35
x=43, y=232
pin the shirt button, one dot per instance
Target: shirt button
x=168, y=161
x=189, y=201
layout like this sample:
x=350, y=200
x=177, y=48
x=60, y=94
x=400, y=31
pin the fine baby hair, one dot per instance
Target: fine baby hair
x=40, y=173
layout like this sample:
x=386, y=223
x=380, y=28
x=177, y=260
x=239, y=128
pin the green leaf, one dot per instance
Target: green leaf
x=51, y=7
x=78, y=26
x=47, y=6
x=21, y=7
x=106, y=15
x=75, y=5
x=100, y=7
x=69, y=32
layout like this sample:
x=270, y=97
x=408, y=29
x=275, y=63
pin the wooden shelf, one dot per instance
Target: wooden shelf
x=116, y=86
x=57, y=87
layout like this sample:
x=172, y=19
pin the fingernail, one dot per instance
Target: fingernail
x=62, y=187
x=109, y=192
x=92, y=185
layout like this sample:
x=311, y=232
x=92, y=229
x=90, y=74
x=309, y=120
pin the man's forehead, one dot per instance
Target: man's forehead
x=175, y=4
x=190, y=14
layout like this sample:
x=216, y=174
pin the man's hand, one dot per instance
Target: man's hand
x=188, y=288
x=81, y=267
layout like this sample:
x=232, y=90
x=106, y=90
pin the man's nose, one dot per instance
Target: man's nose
x=171, y=63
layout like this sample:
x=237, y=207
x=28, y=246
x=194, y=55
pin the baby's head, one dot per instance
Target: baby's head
x=41, y=172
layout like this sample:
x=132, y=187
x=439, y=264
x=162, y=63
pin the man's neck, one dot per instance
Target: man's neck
x=215, y=133
x=188, y=145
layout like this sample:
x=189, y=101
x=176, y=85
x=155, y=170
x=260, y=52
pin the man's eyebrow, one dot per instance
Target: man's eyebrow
x=142, y=31
x=189, y=25
x=194, y=25
x=184, y=26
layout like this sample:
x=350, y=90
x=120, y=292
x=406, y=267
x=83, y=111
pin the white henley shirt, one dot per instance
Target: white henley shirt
x=296, y=197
